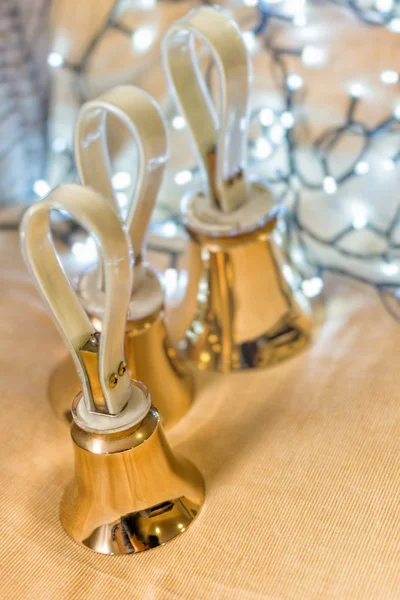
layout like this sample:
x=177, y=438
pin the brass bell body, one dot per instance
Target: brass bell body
x=130, y=492
x=247, y=316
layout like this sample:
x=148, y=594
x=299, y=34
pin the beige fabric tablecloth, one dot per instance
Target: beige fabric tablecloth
x=301, y=462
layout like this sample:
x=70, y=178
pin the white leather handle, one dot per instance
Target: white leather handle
x=144, y=121
x=221, y=146
x=96, y=215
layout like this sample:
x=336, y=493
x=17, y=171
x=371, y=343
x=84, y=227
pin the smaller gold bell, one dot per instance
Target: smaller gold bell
x=149, y=354
x=129, y=492
x=246, y=315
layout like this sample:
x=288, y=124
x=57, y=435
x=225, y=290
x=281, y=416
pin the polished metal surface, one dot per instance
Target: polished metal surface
x=130, y=492
x=247, y=316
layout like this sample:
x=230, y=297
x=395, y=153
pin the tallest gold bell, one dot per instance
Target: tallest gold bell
x=246, y=316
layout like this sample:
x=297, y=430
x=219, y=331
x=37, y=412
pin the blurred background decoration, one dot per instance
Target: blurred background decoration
x=324, y=128
x=23, y=97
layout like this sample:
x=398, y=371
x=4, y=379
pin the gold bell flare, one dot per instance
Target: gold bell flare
x=246, y=316
x=130, y=492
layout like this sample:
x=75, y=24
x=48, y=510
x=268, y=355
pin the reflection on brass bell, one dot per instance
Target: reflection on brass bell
x=149, y=354
x=130, y=492
x=247, y=315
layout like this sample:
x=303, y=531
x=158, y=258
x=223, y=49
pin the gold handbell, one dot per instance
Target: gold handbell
x=149, y=354
x=129, y=492
x=246, y=316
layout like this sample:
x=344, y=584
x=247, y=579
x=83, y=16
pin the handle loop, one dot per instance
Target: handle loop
x=221, y=146
x=96, y=215
x=143, y=119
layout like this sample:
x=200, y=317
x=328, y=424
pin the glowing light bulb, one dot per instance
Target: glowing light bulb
x=294, y=82
x=169, y=229
x=389, y=77
x=55, y=60
x=250, y=40
x=59, y=145
x=357, y=90
x=183, y=177
x=178, y=122
x=121, y=180
x=262, y=148
x=142, y=39
x=384, y=6
x=390, y=268
x=41, y=187
x=313, y=56
x=267, y=117
x=394, y=25
x=300, y=20
x=287, y=119
x=388, y=165
x=277, y=133
x=312, y=287
x=122, y=199
x=85, y=251
x=329, y=184
x=360, y=219
x=362, y=167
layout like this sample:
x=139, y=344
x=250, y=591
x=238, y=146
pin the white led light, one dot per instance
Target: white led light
x=330, y=185
x=394, y=25
x=390, y=268
x=121, y=180
x=287, y=119
x=147, y=4
x=362, y=167
x=142, y=39
x=388, y=165
x=300, y=20
x=85, y=251
x=313, y=56
x=288, y=274
x=312, y=287
x=294, y=82
x=389, y=77
x=250, y=40
x=169, y=229
x=357, y=90
x=178, y=122
x=55, y=60
x=384, y=6
x=277, y=133
x=122, y=199
x=267, y=117
x=250, y=2
x=359, y=217
x=262, y=148
x=183, y=177
x=41, y=187
x=59, y=145
x=396, y=112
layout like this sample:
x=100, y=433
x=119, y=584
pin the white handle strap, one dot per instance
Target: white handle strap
x=144, y=121
x=221, y=148
x=96, y=215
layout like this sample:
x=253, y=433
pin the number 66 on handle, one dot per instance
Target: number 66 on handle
x=130, y=492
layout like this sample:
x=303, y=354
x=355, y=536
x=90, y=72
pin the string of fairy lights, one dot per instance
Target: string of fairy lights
x=277, y=130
